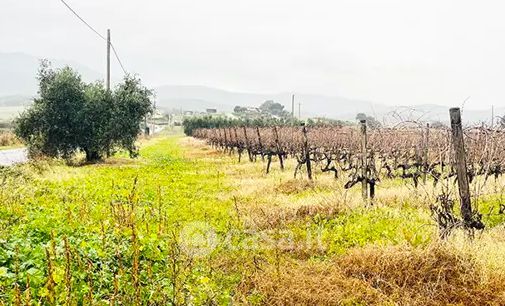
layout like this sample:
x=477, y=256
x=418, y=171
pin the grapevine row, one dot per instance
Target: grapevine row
x=416, y=153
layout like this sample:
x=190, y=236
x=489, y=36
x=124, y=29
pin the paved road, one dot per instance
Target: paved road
x=14, y=156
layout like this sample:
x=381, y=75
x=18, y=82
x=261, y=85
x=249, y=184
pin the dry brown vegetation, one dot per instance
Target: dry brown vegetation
x=384, y=272
x=8, y=139
x=401, y=275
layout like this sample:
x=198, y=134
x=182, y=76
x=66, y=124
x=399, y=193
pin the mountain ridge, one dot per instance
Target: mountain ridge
x=18, y=85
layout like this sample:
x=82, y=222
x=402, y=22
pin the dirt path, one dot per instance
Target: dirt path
x=13, y=156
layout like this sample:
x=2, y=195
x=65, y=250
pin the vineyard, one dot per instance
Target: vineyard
x=370, y=219
x=415, y=153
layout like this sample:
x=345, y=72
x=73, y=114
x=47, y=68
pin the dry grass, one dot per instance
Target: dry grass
x=458, y=272
x=378, y=276
x=8, y=139
x=432, y=276
x=294, y=186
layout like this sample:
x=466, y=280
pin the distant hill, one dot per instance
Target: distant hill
x=18, y=86
x=16, y=100
x=198, y=98
x=18, y=73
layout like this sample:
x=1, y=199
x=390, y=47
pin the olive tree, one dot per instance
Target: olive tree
x=70, y=116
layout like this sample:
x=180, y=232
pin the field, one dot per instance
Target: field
x=8, y=140
x=7, y=113
x=187, y=224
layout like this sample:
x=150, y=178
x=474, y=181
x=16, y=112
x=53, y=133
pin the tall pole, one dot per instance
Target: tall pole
x=300, y=111
x=293, y=106
x=492, y=116
x=107, y=82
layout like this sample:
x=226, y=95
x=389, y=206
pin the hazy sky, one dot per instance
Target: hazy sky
x=393, y=52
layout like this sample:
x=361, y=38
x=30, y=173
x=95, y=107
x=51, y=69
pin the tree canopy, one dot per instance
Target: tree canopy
x=370, y=120
x=273, y=108
x=70, y=116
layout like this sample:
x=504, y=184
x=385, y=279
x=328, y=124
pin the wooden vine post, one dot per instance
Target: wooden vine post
x=225, y=141
x=425, y=152
x=259, y=143
x=238, y=144
x=248, y=146
x=230, y=141
x=307, y=152
x=364, y=164
x=460, y=160
x=277, y=144
x=218, y=142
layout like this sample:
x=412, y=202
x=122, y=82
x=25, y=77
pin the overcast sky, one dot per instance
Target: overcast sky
x=393, y=52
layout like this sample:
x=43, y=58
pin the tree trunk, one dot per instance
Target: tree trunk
x=91, y=155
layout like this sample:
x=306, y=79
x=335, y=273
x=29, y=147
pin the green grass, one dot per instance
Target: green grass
x=115, y=217
x=184, y=225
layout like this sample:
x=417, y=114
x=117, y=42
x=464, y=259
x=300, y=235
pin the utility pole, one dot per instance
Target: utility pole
x=108, y=61
x=299, y=110
x=492, y=116
x=293, y=106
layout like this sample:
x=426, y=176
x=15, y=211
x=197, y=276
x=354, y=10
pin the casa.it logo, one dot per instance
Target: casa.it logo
x=198, y=239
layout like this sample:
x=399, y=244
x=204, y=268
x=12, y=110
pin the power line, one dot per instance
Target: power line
x=84, y=21
x=118, y=59
x=97, y=33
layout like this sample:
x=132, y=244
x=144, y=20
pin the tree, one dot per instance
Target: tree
x=370, y=120
x=273, y=108
x=239, y=109
x=99, y=128
x=361, y=116
x=70, y=116
x=437, y=124
x=52, y=126
x=133, y=102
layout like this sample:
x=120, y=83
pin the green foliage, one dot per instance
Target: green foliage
x=111, y=232
x=274, y=109
x=132, y=102
x=239, y=109
x=53, y=125
x=370, y=120
x=71, y=116
x=327, y=121
x=207, y=122
x=193, y=123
